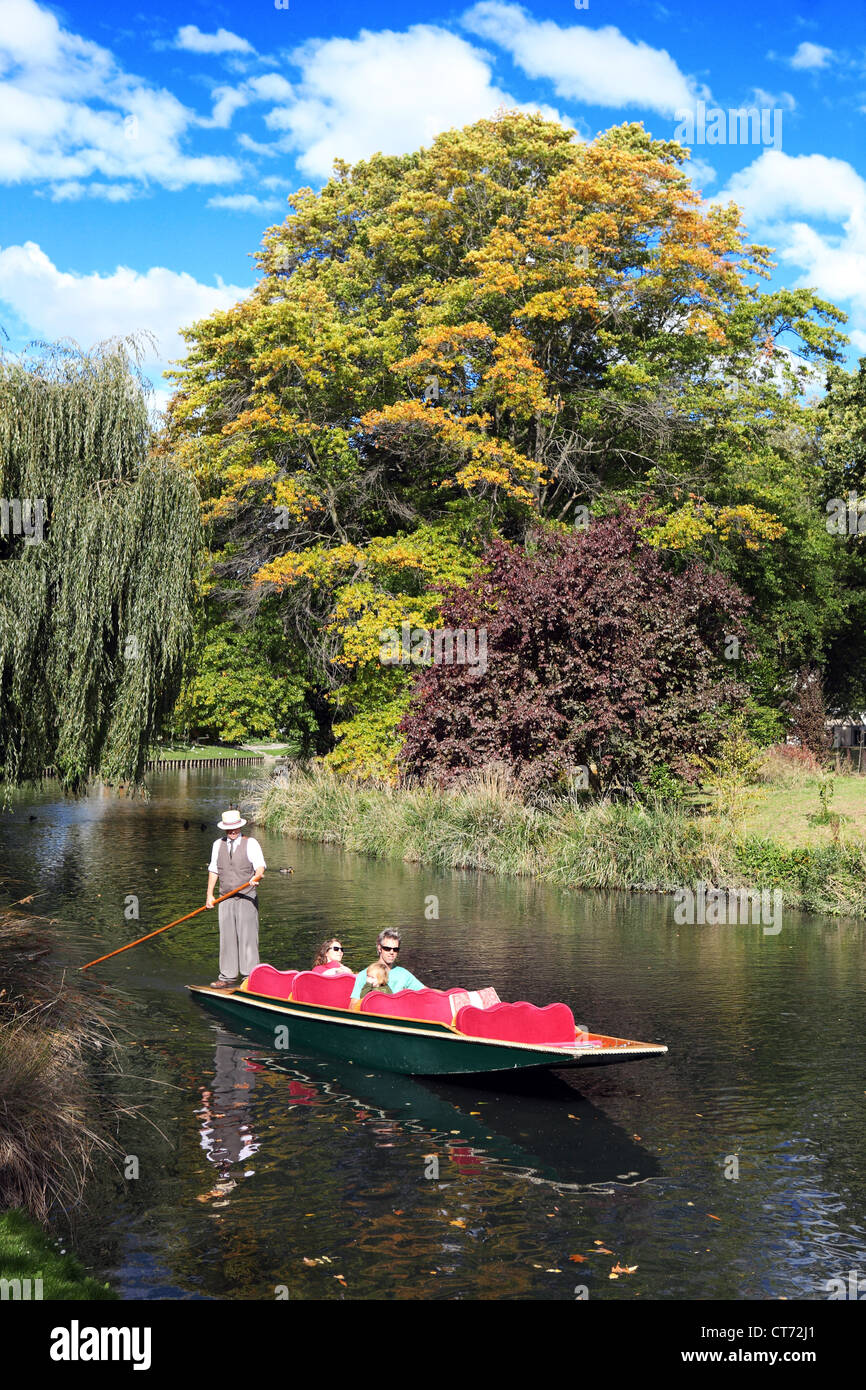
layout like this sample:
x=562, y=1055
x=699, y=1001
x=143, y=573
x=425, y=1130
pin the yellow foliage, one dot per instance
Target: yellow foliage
x=696, y=520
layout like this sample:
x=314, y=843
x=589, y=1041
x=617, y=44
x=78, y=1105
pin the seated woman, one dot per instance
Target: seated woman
x=377, y=978
x=329, y=959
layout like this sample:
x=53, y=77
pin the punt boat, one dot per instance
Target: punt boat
x=426, y=1032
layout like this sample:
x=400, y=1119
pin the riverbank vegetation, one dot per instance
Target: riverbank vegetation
x=575, y=841
x=51, y=1035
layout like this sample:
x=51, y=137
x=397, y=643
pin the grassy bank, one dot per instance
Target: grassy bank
x=172, y=751
x=272, y=749
x=787, y=812
x=26, y=1253
x=579, y=843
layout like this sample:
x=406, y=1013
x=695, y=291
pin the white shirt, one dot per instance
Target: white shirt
x=254, y=854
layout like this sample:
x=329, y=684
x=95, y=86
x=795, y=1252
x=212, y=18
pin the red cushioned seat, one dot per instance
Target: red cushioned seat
x=432, y=1005
x=318, y=989
x=266, y=980
x=520, y=1022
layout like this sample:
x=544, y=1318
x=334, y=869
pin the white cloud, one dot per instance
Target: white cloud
x=69, y=112
x=815, y=185
x=384, y=92
x=598, y=66
x=191, y=38
x=779, y=192
x=859, y=340
x=268, y=87
x=700, y=172
x=243, y=202
x=247, y=142
x=53, y=303
x=72, y=191
x=811, y=55
x=226, y=101
x=770, y=101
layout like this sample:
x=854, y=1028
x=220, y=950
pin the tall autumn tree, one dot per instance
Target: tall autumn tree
x=477, y=338
x=96, y=596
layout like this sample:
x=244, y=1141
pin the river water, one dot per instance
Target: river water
x=732, y=1168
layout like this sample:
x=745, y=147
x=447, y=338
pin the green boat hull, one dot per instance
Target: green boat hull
x=415, y=1049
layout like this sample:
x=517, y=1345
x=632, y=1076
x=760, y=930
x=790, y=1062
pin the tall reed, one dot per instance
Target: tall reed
x=575, y=842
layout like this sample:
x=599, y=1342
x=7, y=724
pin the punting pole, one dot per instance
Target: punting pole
x=130, y=944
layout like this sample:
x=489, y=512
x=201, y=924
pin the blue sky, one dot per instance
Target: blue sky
x=143, y=154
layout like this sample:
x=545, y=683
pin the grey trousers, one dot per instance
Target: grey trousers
x=239, y=937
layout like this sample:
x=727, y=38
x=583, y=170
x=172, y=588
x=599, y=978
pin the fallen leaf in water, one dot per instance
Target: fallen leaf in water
x=713, y=1218
x=220, y=1204
x=602, y=1250
x=623, y=1269
x=474, y=1112
x=553, y=1271
x=340, y=1280
x=398, y=1211
x=578, y=1259
x=637, y=1137
x=461, y=1224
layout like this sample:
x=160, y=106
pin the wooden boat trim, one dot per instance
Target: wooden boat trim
x=324, y=1013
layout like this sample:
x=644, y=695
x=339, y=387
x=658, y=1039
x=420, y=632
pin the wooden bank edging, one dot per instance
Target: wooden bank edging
x=154, y=764
x=204, y=762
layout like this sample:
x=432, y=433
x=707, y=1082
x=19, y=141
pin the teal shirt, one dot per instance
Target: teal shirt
x=398, y=979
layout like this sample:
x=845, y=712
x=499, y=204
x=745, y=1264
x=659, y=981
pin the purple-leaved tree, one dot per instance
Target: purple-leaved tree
x=597, y=653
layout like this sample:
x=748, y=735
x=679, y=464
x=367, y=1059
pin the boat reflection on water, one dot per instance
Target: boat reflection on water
x=538, y=1128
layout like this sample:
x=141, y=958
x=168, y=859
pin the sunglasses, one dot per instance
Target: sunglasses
x=390, y=948
x=335, y=948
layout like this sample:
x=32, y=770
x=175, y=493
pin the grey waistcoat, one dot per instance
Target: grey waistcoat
x=235, y=868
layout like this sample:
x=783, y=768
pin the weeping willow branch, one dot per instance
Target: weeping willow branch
x=95, y=618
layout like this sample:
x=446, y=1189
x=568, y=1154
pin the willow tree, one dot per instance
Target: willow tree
x=98, y=559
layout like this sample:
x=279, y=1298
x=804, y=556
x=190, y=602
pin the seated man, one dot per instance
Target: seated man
x=387, y=946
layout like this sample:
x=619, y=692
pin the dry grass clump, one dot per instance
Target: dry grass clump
x=50, y=1032
x=790, y=764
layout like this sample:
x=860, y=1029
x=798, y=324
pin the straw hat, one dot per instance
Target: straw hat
x=232, y=820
